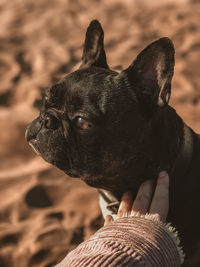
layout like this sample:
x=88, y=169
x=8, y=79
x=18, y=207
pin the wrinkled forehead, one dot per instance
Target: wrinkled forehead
x=85, y=88
x=89, y=81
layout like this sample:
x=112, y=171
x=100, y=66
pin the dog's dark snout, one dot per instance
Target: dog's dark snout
x=33, y=129
x=51, y=122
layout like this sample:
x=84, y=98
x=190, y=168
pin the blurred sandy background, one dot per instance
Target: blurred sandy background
x=43, y=213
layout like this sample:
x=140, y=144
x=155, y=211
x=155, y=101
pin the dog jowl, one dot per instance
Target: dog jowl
x=115, y=130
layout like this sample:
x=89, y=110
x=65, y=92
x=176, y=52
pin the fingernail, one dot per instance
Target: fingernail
x=127, y=195
x=162, y=174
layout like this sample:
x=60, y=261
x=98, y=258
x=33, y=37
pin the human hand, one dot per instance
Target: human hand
x=144, y=203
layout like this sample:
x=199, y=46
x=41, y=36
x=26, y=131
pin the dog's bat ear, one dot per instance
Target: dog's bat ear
x=93, y=51
x=151, y=73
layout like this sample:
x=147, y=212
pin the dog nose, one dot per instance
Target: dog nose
x=33, y=129
x=51, y=122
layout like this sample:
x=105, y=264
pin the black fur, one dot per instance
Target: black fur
x=133, y=133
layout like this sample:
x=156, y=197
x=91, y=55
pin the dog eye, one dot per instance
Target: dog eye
x=83, y=124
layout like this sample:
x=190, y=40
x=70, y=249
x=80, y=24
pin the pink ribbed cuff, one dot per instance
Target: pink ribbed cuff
x=129, y=241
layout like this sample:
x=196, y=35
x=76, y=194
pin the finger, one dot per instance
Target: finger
x=143, y=199
x=125, y=205
x=108, y=219
x=160, y=201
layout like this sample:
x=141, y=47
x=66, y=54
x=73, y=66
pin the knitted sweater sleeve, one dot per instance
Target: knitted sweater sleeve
x=136, y=240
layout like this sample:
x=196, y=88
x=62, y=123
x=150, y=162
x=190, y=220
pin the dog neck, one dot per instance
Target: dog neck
x=172, y=150
x=174, y=145
x=185, y=156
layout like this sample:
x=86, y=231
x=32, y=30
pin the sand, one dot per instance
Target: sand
x=43, y=213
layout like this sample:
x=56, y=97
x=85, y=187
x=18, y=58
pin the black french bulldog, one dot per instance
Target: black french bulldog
x=116, y=130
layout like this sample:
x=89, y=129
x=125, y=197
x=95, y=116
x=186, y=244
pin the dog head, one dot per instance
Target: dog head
x=95, y=123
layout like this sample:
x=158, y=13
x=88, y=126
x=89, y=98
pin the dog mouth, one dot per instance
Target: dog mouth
x=32, y=140
x=33, y=143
